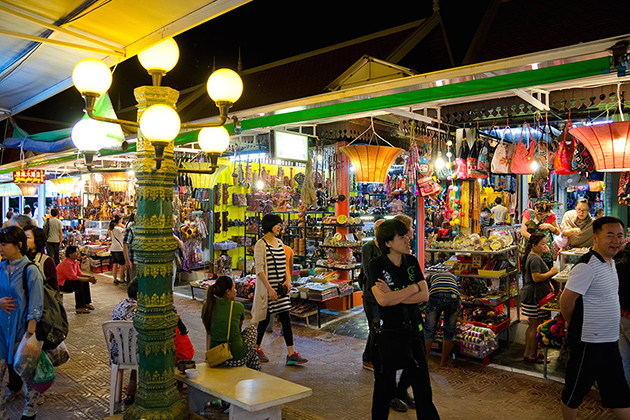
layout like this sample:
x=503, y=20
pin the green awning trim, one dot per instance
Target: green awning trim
x=505, y=82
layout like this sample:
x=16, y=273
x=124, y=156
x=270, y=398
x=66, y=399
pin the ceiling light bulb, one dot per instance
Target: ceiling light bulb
x=260, y=185
x=534, y=165
x=160, y=57
x=439, y=163
x=214, y=140
x=92, y=76
x=160, y=123
x=89, y=135
x=225, y=85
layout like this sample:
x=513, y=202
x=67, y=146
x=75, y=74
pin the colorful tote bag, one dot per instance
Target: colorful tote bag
x=564, y=155
x=500, y=163
x=582, y=159
x=524, y=156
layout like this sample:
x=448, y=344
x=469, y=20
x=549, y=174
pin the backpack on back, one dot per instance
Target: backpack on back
x=52, y=328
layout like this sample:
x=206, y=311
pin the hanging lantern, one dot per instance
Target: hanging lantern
x=607, y=144
x=371, y=163
x=28, y=190
x=65, y=185
x=203, y=180
x=116, y=181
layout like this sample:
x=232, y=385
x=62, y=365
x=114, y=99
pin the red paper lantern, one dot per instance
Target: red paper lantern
x=608, y=145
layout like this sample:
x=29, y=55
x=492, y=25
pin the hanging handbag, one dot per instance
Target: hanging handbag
x=582, y=159
x=221, y=353
x=428, y=186
x=564, y=155
x=524, y=156
x=500, y=163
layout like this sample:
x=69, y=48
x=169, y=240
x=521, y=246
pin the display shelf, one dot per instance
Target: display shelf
x=341, y=246
x=476, y=276
x=336, y=267
x=463, y=251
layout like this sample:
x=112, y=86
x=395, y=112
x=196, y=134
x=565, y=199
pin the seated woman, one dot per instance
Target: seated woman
x=216, y=316
x=72, y=280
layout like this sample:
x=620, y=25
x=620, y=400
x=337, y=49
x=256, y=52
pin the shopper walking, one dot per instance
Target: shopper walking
x=216, y=313
x=116, y=232
x=27, y=213
x=20, y=309
x=7, y=223
x=398, y=285
x=128, y=236
x=622, y=264
x=536, y=285
x=590, y=305
x=36, y=241
x=271, y=294
x=54, y=230
x=499, y=211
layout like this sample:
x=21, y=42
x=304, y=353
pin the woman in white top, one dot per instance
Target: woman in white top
x=273, y=283
x=116, y=231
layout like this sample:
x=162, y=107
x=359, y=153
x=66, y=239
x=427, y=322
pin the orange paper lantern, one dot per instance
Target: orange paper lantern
x=28, y=190
x=608, y=145
x=371, y=163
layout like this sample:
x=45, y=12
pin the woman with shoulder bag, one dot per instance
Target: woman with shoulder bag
x=17, y=317
x=541, y=220
x=536, y=285
x=398, y=285
x=36, y=242
x=221, y=314
x=273, y=282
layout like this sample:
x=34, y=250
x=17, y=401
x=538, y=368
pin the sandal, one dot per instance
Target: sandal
x=90, y=307
x=82, y=311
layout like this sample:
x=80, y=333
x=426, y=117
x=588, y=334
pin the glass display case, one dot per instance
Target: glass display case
x=97, y=228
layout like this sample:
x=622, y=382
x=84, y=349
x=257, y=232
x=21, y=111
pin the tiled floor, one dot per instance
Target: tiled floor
x=341, y=388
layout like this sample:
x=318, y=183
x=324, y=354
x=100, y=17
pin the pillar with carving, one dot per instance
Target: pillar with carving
x=157, y=397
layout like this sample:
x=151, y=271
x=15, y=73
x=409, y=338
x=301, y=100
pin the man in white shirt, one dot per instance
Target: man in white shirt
x=500, y=212
x=55, y=235
x=590, y=305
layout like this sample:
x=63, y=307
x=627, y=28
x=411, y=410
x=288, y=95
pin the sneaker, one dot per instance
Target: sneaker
x=397, y=405
x=116, y=282
x=409, y=402
x=261, y=356
x=296, y=359
x=368, y=366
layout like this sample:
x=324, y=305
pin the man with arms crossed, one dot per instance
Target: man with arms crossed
x=590, y=305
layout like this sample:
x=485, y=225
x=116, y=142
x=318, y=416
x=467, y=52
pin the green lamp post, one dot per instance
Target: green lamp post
x=157, y=397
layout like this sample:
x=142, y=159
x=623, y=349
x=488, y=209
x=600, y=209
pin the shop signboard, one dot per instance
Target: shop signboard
x=289, y=146
x=29, y=176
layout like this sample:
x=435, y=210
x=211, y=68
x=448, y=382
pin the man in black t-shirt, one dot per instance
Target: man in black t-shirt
x=398, y=286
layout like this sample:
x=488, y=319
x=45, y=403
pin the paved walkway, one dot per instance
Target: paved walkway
x=341, y=388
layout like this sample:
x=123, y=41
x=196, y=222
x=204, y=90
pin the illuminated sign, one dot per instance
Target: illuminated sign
x=290, y=146
x=29, y=176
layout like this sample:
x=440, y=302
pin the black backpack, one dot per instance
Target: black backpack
x=52, y=328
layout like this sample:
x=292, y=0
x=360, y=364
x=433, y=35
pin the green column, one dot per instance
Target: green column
x=157, y=397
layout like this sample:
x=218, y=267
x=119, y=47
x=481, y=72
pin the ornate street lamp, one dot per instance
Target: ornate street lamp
x=154, y=244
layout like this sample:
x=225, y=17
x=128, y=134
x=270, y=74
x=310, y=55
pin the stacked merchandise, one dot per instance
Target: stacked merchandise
x=245, y=286
x=322, y=291
x=304, y=308
x=478, y=342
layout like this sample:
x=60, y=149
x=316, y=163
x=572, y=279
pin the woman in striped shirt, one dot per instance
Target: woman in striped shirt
x=273, y=279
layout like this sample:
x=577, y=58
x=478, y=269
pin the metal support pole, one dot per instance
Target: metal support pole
x=154, y=247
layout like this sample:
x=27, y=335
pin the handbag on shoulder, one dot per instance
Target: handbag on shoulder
x=221, y=353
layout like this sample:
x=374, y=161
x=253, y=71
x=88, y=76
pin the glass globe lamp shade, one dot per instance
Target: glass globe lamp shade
x=160, y=57
x=214, y=140
x=160, y=123
x=91, y=76
x=89, y=135
x=224, y=85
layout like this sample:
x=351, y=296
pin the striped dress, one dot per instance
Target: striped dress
x=276, y=275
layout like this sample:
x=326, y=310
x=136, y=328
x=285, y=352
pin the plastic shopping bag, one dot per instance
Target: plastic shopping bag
x=59, y=355
x=27, y=356
x=44, y=375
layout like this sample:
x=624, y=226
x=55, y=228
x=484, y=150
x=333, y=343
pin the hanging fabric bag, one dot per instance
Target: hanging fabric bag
x=524, y=156
x=582, y=159
x=564, y=155
x=500, y=163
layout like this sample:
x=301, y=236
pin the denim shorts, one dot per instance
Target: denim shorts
x=448, y=303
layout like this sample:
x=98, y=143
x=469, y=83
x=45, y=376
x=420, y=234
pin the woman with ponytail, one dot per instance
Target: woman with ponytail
x=216, y=316
x=536, y=285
